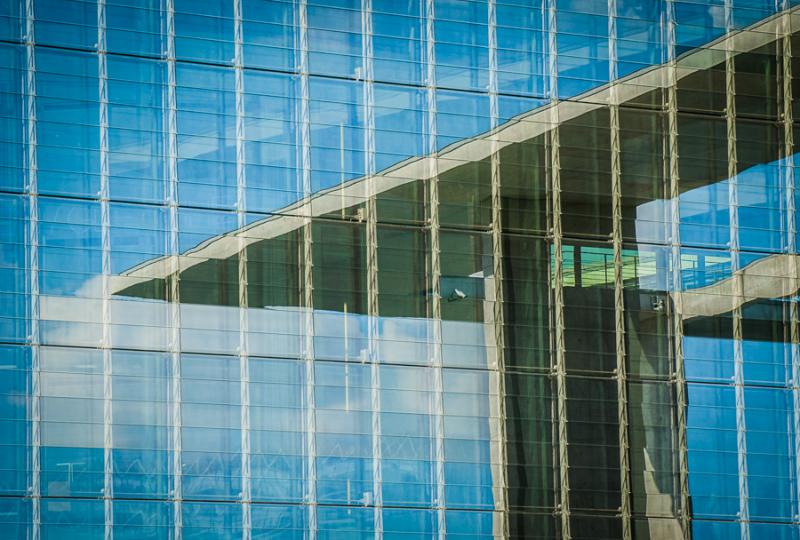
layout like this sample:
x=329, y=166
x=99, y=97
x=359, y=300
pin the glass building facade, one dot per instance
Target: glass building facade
x=402, y=269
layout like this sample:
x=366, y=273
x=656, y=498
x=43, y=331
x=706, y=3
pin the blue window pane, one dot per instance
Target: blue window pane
x=15, y=517
x=640, y=41
x=12, y=127
x=279, y=522
x=206, y=142
x=705, y=215
x=211, y=452
x=521, y=60
x=769, y=459
x=141, y=473
x=71, y=472
x=207, y=521
x=697, y=24
x=334, y=41
x=72, y=519
x=399, y=124
x=271, y=133
x=136, y=28
x=70, y=246
x=462, y=55
x=715, y=529
x=472, y=524
x=13, y=307
x=761, y=216
x=398, y=45
x=269, y=30
x=142, y=519
x=337, y=132
x=711, y=438
x=66, y=23
x=406, y=521
x=765, y=361
x=136, y=136
x=15, y=362
x=746, y=12
x=356, y=523
x=204, y=30
x=778, y=531
x=141, y=433
x=11, y=20
x=68, y=154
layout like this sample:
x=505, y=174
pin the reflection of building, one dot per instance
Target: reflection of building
x=578, y=321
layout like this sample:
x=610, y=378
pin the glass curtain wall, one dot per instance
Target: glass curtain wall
x=421, y=269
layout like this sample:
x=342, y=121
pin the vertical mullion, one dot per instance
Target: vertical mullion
x=787, y=116
x=372, y=265
x=33, y=269
x=241, y=209
x=678, y=377
x=435, y=272
x=733, y=213
x=619, y=320
x=619, y=302
x=557, y=279
x=559, y=368
x=174, y=275
x=308, y=289
x=105, y=228
x=497, y=415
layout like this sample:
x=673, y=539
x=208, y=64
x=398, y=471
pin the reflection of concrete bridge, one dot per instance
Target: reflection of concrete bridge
x=774, y=276
x=525, y=128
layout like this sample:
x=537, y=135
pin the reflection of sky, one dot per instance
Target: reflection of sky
x=73, y=389
x=205, y=94
x=705, y=223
